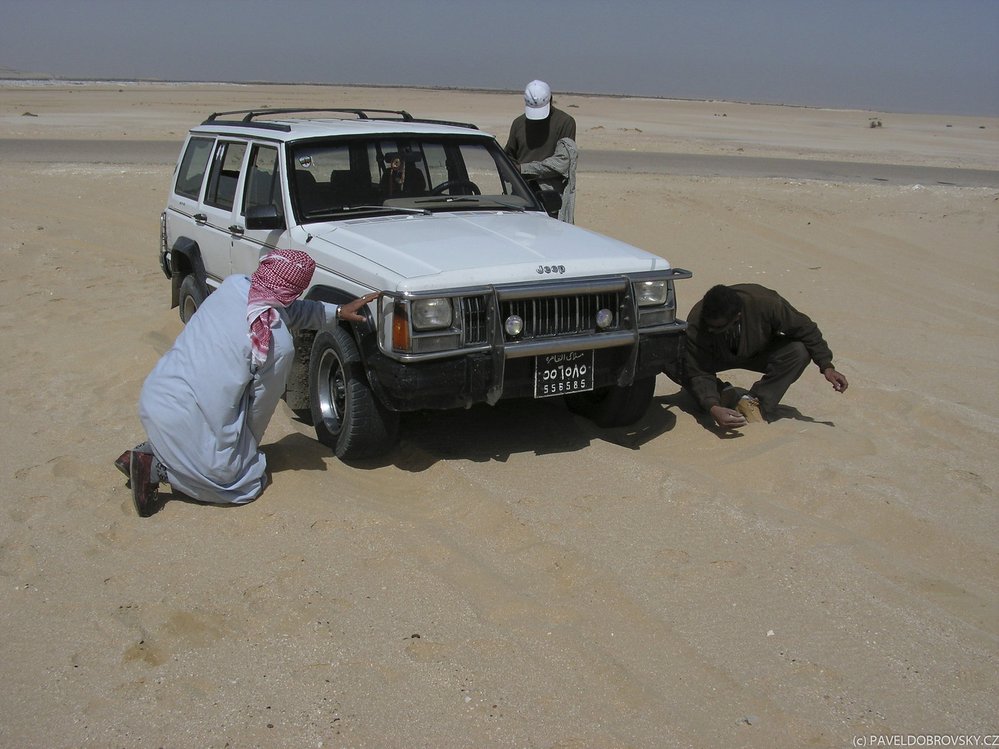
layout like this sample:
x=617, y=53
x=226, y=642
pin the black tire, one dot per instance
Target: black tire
x=345, y=412
x=614, y=406
x=190, y=298
x=296, y=393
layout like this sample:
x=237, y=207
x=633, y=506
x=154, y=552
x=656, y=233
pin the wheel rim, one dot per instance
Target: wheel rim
x=332, y=384
x=189, y=307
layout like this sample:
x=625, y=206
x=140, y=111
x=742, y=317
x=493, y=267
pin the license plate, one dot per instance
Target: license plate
x=562, y=374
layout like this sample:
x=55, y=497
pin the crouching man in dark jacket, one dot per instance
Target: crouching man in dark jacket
x=747, y=326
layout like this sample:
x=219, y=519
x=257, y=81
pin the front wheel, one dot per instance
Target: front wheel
x=345, y=412
x=191, y=297
x=614, y=406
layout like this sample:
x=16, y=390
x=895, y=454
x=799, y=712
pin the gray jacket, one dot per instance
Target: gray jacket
x=558, y=172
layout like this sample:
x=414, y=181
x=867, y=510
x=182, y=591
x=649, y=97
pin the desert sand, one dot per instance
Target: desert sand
x=514, y=576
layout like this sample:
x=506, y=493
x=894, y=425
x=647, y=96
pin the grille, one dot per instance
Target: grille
x=544, y=317
x=474, y=319
x=548, y=317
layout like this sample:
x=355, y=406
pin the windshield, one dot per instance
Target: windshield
x=342, y=178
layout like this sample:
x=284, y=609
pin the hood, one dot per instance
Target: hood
x=455, y=249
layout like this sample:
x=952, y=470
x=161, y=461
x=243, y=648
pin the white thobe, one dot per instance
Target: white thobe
x=205, y=407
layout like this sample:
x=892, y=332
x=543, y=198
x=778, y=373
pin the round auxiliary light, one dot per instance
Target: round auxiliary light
x=514, y=325
x=605, y=318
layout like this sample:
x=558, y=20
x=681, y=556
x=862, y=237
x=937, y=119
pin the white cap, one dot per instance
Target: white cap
x=537, y=100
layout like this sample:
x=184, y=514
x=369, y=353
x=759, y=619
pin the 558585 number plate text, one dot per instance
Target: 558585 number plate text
x=562, y=374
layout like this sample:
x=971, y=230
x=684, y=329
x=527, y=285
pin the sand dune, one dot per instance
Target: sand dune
x=830, y=575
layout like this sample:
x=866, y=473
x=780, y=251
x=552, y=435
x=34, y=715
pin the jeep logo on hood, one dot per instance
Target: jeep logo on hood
x=542, y=269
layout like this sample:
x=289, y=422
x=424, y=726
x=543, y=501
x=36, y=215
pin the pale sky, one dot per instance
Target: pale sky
x=939, y=56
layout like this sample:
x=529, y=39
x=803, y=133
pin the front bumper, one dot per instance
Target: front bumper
x=487, y=377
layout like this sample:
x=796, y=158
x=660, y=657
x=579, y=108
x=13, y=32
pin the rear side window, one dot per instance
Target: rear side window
x=263, y=186
x=193, y=166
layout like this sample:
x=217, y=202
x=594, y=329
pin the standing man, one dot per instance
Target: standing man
x=747, y=326
x=543, y=142
x=208, y=400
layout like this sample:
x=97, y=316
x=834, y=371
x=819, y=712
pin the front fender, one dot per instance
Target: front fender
x=364, y=334
x=332, y=295
x=185, y=260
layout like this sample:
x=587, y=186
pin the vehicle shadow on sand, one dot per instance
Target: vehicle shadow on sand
x=493, y=433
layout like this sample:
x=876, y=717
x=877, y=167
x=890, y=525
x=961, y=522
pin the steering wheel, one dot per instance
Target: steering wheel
x=453, y=183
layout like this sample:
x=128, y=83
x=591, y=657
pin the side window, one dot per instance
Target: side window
x=193, y=167
x=262, y=184
x=436, y=158
x=221, y=191
x=376, y=164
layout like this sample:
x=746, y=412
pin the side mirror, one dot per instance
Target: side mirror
x=264, y=217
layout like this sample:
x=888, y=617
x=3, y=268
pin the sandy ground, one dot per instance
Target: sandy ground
x=832, y=575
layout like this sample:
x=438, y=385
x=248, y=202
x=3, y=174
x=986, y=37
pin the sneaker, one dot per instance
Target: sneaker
x=145, y=488
x=749, y=407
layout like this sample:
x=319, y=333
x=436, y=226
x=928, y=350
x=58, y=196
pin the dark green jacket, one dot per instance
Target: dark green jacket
x=767, y=319
x=534, y=140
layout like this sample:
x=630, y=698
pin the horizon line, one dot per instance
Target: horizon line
x=50, y=78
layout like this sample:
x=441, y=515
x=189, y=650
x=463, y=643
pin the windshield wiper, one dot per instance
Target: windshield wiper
x=448, y=199
x=394, y=208
x=348, y=209
x=489, y=202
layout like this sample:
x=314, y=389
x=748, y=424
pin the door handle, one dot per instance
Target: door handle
x=201, y=218
x=236, y=229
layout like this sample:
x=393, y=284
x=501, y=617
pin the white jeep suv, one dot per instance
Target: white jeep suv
x=486, y=296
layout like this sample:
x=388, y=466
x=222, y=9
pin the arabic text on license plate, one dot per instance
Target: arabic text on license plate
x=562, y=374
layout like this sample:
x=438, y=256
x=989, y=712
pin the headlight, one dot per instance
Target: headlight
x=431, y=313
x=651, y=293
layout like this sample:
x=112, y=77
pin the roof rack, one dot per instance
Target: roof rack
x=249, y=116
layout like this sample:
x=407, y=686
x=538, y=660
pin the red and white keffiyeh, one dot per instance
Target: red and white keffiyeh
x=279, y=280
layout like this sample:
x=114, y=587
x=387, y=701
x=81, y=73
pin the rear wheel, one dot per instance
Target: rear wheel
x=191, y=297
x=614, y=406
x=345, y=412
